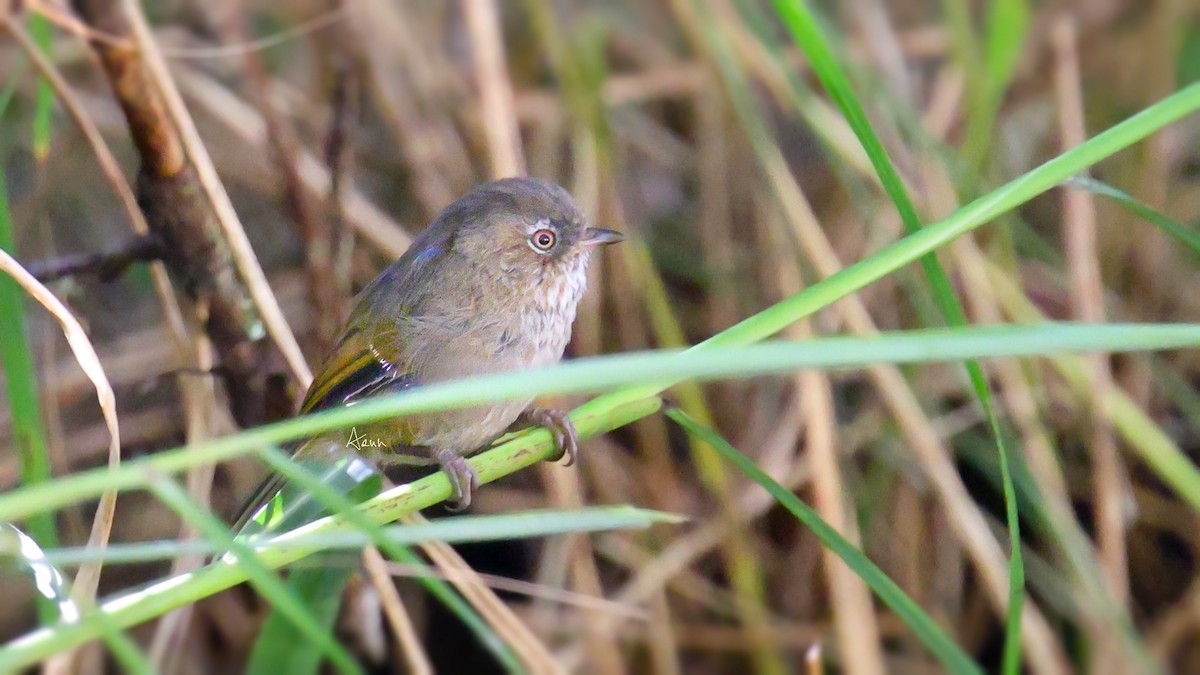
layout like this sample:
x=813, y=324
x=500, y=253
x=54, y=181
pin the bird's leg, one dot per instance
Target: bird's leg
x=559, y=424
x=463, y=479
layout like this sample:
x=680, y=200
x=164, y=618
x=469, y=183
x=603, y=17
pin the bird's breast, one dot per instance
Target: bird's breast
x=508, y=322
x=549, y=311
x=524, y=327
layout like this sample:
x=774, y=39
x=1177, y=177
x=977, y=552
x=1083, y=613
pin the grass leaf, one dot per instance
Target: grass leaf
x=926, y=629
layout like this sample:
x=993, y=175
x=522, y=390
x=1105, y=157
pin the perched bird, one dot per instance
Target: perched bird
x=492, y=285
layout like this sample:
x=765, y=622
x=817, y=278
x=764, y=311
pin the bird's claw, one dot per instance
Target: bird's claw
x=463, y=478
x=559, y=424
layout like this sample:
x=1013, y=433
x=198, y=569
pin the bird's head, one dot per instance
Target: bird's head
x=526, y=231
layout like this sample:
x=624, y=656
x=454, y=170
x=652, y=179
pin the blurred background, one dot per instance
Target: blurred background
x=697, y=129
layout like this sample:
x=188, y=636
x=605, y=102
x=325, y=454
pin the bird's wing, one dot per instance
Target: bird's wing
x=354, y=371
x=369, y=358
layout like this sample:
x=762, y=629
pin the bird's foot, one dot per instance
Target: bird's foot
x=559, y=424
x=463, y=478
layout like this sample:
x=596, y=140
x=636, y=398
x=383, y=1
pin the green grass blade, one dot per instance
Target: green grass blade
x=452, y=530
x=51, y=584
x=1006, y=27
x=925, y=628
x=32, y=562
x=1138, y=208
x=264, y=580
x=336, y=501
x=21, y=382
x=971, y=216
x=281, y=646
x=662, y=368
x=809, y=36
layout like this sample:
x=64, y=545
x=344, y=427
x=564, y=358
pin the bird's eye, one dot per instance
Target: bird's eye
x=543, y=240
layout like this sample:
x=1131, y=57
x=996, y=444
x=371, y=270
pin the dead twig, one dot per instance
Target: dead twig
x=105, y=266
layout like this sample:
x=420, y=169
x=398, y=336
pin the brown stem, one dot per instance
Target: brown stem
x=194, y=248
x=106, y=266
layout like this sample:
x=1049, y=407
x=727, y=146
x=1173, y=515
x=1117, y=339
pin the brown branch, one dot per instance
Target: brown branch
x=194, y=248
x=105, y=266
x=244, y=259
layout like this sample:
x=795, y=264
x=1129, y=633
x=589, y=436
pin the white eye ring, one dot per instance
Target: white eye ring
x=543, y=240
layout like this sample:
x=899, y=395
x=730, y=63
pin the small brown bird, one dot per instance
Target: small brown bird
x=491, y=286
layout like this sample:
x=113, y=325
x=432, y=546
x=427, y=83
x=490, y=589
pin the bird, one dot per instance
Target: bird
x=492, y=285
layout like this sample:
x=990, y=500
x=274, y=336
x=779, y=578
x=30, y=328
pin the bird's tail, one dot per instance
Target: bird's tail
x=279, y=504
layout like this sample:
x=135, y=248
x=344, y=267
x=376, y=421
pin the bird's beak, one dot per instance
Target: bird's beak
x=596, y=236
